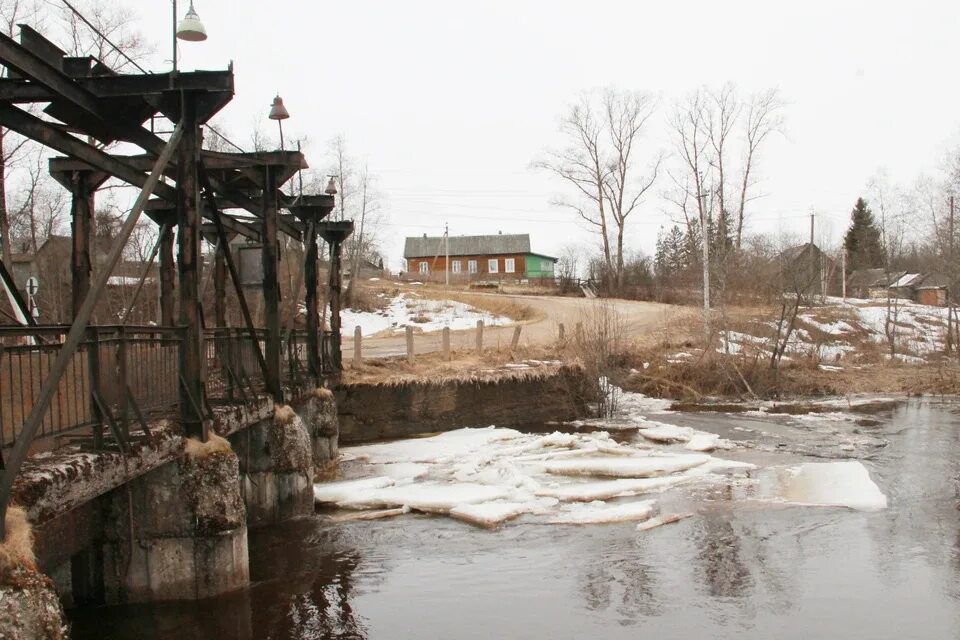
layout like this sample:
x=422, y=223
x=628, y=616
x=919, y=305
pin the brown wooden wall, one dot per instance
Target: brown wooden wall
x=438, y=265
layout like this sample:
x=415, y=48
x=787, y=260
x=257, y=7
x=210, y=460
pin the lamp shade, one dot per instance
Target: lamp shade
x=277, y=110
x=190, y=28
x=331, y=189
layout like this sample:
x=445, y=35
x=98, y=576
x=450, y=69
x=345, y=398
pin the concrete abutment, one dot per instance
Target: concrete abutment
x=169, y=521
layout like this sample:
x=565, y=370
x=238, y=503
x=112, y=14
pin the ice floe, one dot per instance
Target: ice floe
x=619, y=467
x=601, y=512
x=838, y=484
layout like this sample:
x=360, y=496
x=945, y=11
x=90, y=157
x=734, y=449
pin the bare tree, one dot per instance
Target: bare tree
x=115, y=41
x=764, y=116
x=601, y=162
x=368, y=207
x=626, y=116
x=583, y=165
x=12, y=146
x=721, y=117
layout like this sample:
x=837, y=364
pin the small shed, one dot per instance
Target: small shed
x=867, y=283
x=932, y=290
x=805, y=269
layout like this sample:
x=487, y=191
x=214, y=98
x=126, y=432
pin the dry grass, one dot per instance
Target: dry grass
x=284, y=414
x=463, y=366
x=16, y=550
x=214, y=444
x=748, y=375
x=498, y=306
x=323, y=393
x=365, y=298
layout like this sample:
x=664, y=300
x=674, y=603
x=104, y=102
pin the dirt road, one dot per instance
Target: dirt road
x=637, y=317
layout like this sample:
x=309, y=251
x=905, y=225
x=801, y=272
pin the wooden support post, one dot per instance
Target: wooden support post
x=93, y=384
x=561, y=330
x=220, y=287
x=83, y=186
x=479, y=335
x=446, y=343
x=516, y=338
x=168, y=305
x=271, y=283
x=357, y=346
x=579, y=336
x=410, y=354
x=188, y=263
x=335, y=284
x=312, y=306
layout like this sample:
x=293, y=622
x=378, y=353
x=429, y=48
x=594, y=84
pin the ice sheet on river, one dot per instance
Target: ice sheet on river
x=620, y=467
x=601, y=512
x=838, y=484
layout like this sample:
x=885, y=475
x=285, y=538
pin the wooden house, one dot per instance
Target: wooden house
x=492, y=257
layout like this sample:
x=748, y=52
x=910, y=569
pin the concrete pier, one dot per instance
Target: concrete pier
x=280, y=456
x=189, y=534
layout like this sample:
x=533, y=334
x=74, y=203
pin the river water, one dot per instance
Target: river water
x=737, y=569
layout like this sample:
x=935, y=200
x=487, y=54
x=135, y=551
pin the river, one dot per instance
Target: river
x=737, y=569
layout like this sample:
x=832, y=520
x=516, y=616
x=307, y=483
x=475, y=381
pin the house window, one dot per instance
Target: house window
x=471, y=266
x=492, y=265
x=509, y=266
x=424, y=267
x=456, y=266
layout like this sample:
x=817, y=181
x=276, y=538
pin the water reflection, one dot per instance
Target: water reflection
x=723, y=572
x=738, y=569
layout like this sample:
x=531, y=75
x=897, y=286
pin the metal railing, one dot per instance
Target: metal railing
x=120, y=374
x=116, y=374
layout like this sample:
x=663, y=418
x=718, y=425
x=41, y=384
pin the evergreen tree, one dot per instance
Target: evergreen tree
x=862, y=242
x=660, y=257
x=721, y=238
x=678, y=250
x=672, y=254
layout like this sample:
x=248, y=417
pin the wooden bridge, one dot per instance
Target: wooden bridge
x=100, y=386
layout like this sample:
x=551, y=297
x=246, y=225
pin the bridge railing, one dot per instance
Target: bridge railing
x=231, y=362
x=118, y=373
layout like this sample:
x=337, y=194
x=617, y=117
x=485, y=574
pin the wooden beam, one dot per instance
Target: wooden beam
x=124, y=85
x=83, y=186
x=188, y=265
x=270, y=257
x=167, y=279
x=312, y=308
x=34, y=128
x=101, y=123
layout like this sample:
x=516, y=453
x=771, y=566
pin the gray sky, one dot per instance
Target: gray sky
x=449, y=102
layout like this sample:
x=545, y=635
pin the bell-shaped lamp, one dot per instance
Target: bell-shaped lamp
x=277, y=110
x=190, y=28
x=331, y=189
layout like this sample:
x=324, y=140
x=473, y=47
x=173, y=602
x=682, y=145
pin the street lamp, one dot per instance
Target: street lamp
x=190, y=29
x=331, y=189
x=279, y=113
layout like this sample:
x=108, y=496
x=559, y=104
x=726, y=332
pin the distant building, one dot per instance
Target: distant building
x=493, y=257
x=925, y=288
x=805, y=269
x=50, y=265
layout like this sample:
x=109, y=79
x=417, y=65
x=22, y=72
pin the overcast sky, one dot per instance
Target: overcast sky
x=449, y=102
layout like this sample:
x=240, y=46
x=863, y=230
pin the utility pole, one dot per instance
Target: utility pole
x=705, y=245
x=811, y=226
x=446, y=251
x=843, y=272
x=950, y=284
